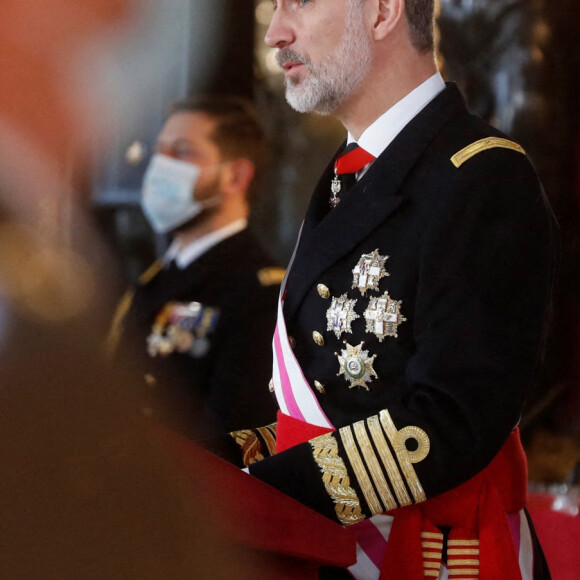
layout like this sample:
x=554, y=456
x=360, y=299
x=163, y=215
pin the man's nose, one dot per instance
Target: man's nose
x=280, y=33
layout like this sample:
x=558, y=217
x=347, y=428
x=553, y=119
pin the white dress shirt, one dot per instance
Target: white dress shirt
x=184, y=257
x=378, y=136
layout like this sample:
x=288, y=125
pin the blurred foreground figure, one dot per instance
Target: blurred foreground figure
x=88, y=489
x=417, y=303
x=199, y=325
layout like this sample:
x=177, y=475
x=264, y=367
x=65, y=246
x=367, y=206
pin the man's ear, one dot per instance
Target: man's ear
x=385, y=16
x=237, y=176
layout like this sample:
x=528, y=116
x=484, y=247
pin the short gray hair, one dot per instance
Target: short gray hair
x=421, y=18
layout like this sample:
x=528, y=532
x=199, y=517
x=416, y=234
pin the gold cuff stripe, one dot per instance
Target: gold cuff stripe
x=431, y=555
x=433, y=573
x=269, y=440
x=381, y=484
x=360, y=471
x=435, y=565
x=336, y=480
x=463, y=572
x=455, y=543
x=483, y=145
x=434, y=535
x=435, y=545
x=388, y=461
x=250, y=446
x=465, y=552
x=464, y=562
x=398, y=439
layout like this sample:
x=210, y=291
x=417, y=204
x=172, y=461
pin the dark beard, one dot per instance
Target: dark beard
x=200, y=218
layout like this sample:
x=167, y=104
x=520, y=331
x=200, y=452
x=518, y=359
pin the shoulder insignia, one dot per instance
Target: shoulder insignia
x=151, y=272
x=271, y=276
x=483, y=145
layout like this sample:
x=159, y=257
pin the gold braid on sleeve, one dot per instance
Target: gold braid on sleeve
x=336, y=479
x=250, y=446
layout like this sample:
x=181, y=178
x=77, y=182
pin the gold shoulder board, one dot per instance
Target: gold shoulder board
x=483, y=145
x=151, y=272
x=271, y=276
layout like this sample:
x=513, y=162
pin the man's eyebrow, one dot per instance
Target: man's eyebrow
x=173, y=143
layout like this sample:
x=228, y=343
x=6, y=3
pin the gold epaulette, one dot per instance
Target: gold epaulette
x=483, y=145
x=271, y=276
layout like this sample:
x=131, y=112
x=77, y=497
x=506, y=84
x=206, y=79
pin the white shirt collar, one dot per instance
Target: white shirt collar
x=183, y=258
x=378, y=136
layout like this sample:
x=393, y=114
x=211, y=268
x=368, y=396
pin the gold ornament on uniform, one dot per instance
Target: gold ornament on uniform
x=323, y=291
x=340, y=315
x=369, y=270
x=318, y=338
x=383, y=316
x=336, y=479
x=271, y=385
x=320, y=387
x=357, y=366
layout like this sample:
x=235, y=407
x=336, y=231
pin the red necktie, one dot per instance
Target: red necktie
x=351, y=160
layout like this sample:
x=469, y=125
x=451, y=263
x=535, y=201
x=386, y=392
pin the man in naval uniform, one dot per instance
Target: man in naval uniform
x=413, y=317
x=203, y=316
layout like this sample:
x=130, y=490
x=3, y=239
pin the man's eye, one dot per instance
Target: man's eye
x=183, y=152
x=304, y=2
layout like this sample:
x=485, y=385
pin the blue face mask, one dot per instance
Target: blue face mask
x=167, y=197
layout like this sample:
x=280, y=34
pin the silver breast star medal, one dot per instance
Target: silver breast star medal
x=340, y=315
x=335, y=188
x=369, y=270
x=383, y=316
x=357, y=366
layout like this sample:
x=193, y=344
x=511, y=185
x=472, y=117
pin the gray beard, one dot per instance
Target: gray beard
x=332, y=82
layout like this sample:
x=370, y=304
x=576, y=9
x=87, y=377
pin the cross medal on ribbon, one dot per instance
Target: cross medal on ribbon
x=351, y=160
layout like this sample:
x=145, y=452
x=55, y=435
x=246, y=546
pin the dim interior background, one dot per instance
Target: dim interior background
x=516, y=61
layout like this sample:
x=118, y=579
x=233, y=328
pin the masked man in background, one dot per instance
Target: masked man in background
x=203, y=315
x=413, y=316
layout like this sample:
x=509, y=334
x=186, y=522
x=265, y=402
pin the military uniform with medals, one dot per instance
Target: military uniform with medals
x=201, y=336
x=417, y=311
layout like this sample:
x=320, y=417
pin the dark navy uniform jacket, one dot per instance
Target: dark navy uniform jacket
x=470, y=248
x=217, y=380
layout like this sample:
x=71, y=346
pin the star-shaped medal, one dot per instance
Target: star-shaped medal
x=357, y=366
x=369, y=270
x=340, y=315
x=383, y=316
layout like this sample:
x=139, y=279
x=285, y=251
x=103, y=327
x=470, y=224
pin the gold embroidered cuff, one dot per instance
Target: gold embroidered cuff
x=336, y=480
x=371, y=460
x=268, y=434
x=360, y=471
x=250, y=445
x=406, y=458
x=388, y=461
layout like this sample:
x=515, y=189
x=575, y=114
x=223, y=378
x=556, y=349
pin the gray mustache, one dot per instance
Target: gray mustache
x=285, y=55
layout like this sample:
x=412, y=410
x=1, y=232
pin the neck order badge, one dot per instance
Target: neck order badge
x=351, y=160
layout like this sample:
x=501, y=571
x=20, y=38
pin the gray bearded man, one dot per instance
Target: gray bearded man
x=412, y=319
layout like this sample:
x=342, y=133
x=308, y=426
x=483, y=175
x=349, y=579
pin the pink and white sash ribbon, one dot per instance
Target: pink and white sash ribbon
x=293, y=393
